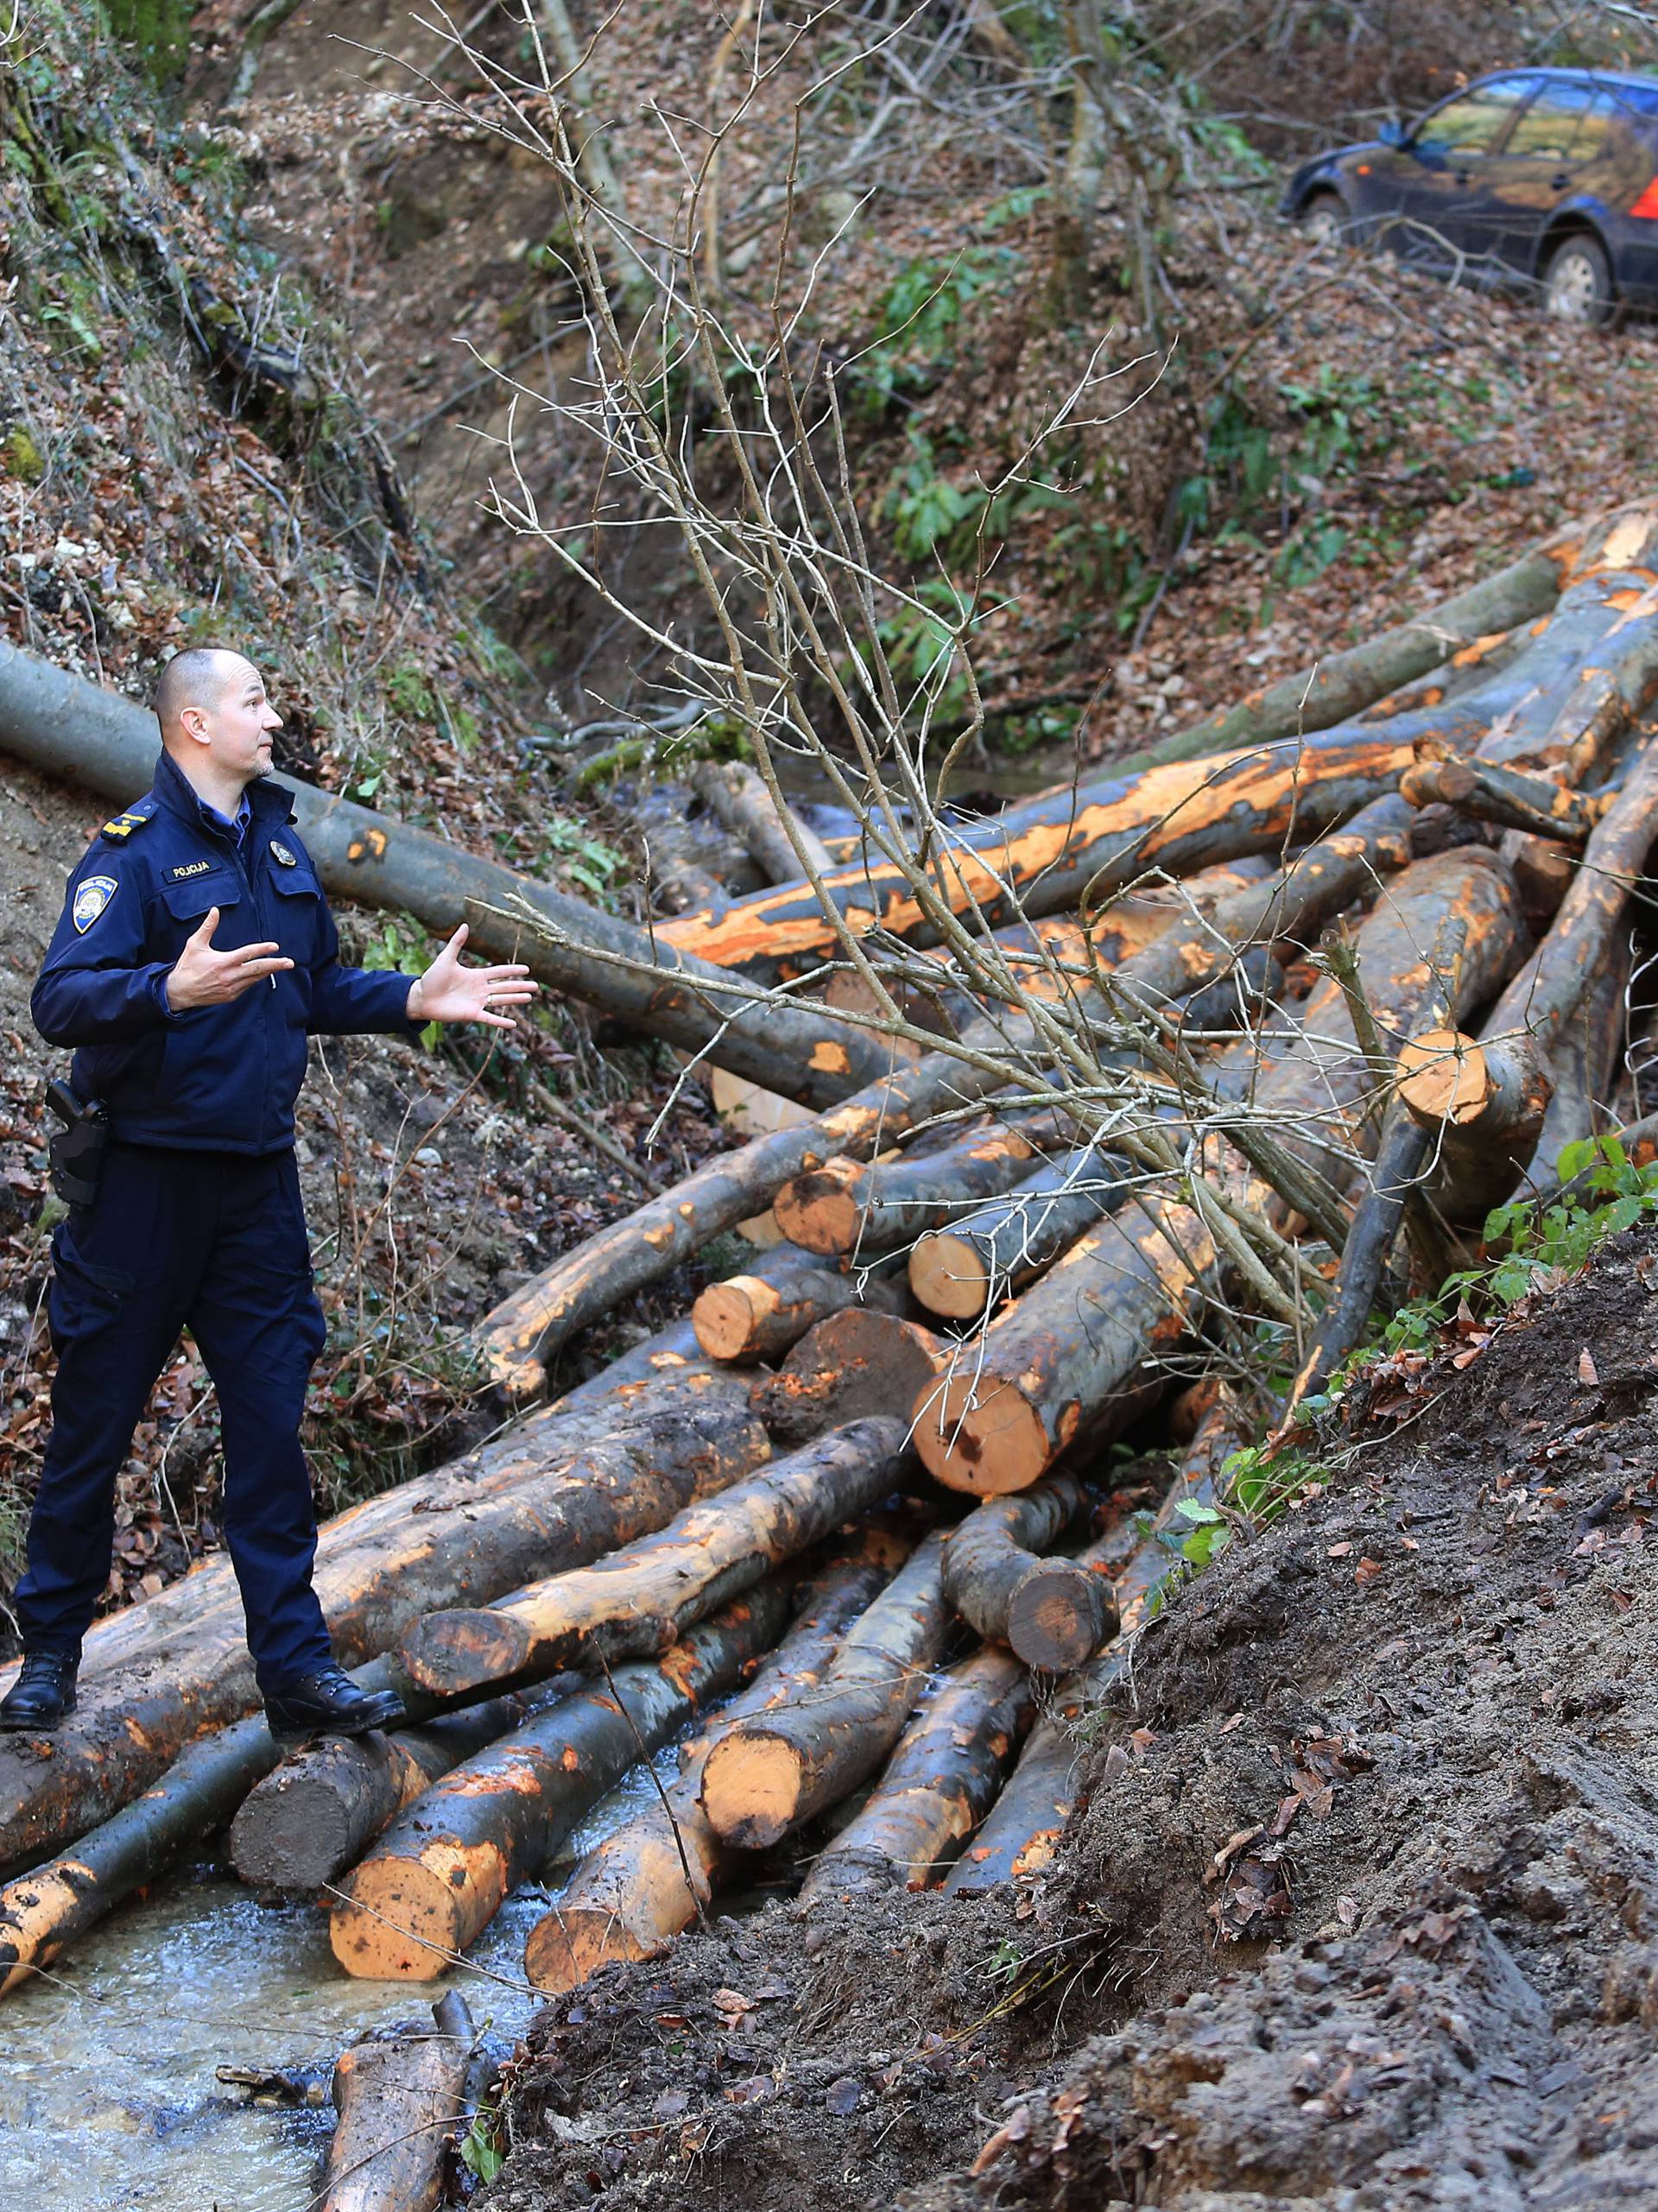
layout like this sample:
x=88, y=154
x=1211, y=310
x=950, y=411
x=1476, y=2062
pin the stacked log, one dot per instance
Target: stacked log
x=652, y=1876
x=443, y=1869
x=638, y=1599
x=856, y=1365
x=398, y=2095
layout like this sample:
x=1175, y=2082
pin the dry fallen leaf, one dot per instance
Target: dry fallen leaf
x=1587, y=1371
x=1366, y=1572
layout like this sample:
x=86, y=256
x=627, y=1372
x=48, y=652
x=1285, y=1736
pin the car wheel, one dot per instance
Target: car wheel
x=1323, y=220
x=1578, y=283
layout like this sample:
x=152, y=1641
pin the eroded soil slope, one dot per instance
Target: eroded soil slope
x=1360, y=1908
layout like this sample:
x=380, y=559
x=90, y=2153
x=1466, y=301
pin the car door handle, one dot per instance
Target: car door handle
x=1461, y=176
x=1558, y=184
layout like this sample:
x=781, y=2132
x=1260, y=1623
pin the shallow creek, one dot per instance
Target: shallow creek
x=108, y=2099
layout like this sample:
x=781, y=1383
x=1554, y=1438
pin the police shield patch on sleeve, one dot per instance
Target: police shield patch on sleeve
x=90, y=900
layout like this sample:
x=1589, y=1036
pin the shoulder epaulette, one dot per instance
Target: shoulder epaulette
x=120, y=827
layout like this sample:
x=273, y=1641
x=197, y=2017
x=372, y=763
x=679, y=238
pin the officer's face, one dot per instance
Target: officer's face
x=241, y=724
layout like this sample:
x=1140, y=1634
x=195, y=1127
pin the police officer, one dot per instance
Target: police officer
x=195, y=955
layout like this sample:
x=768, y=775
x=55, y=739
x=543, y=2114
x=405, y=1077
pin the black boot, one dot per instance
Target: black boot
x=328, y=1702
x=41, y=1695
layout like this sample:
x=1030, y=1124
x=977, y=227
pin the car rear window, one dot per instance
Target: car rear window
x=1554, y=120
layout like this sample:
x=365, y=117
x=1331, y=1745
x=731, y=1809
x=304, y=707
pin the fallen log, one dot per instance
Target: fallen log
x=1061, y=1610
x=641, y=1598
x=315, y=1814
x=1065, y=1355
x=771, y=1773
x=1045, y=854
x=1584, y=1065
x=442, y=1870
x=652, y=1876
x=988, y=1554
x=398, y=2095
x=108, y=744
x=853, y=1366
x=1483, y=1100
x=777, y=840
x=1487, y=792
x=936, y=1788
x=746, y=1319
x=846, y=1203
x=560, y=1492
x=967, y=1269
x=1543, y=868
x=1020, y=1833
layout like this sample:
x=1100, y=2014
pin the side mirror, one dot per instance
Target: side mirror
x=1391, y=134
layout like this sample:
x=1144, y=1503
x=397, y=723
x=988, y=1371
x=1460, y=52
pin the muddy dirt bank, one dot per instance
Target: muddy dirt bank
x=1359, y=1910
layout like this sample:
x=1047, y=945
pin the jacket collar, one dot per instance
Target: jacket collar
x=269, y=802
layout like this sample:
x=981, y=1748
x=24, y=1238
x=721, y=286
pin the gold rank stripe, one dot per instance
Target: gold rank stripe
x=124, y=824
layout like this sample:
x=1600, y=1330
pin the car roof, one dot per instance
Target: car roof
x=1643, y=90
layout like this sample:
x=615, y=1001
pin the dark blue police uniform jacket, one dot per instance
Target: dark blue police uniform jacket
x=214, y=1079
x=198, y=1219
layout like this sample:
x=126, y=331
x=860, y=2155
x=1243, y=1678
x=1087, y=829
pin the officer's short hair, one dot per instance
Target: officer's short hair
x=195, y=676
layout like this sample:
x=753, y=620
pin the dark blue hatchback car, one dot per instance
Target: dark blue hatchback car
x=1546, y=178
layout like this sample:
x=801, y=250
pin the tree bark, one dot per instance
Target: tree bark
x=1543, y=868
x=640, y=1599
x=398, y=2097
x=846, y=1203
x=1486, y=793
x=442, y=1871
x=632, y=1894
x=988, y=1554
x=1018, y=1837
x=937, y=1786
x=1063, y=1357
x=1584, y=1064
x=557, y=1490
x=737, y=794
x=855, y=1365
x=315, y=1815
x=770, y=1774
x=1045, y=854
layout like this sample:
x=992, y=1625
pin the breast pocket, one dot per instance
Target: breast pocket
x=299, y=911
x=187, y=902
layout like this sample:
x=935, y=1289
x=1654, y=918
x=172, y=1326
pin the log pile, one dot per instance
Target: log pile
x=849, y=1521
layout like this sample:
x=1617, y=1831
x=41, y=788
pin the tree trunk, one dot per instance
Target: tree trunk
x=1485, y=792
x=770, y=1774
x=441, y=1872
x=639, y=1600
x=69, y=727
x=544, y=1495
x=1063, y=1357
x=1584, y=1064
x=398, y=2097
x=845, y=1204
x=1483, y=1103
x=738, y=796
x=964, y=1271
x=938, y=1785
x=746, y=1319
x=988, y=1554
x=856, y=1365
x=317, y=1813
x=1043, y=855
x=1018, y=1837
x=632, y=1894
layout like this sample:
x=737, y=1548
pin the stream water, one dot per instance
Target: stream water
x=108, y=2099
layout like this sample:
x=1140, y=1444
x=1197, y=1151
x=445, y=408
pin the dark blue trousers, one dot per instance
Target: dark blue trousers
x=215, y=1241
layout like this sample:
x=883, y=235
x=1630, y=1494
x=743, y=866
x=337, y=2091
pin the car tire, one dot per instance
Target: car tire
x=1577, y=281
x=1323, y=220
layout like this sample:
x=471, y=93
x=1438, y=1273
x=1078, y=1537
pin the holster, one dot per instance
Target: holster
x=75, y=1152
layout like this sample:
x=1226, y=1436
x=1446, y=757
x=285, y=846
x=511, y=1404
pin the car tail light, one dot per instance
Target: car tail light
x=1646, y=205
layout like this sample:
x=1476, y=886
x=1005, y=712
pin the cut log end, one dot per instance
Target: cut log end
x=569, y=1943
x=820, y=1210
x=401, y=1922
x=293, y=1839
x=727, y=1316
x=948, y=1276
x=751, y=1789
x=1442, y=1076
x=1060, y=1615
x=986, y=1448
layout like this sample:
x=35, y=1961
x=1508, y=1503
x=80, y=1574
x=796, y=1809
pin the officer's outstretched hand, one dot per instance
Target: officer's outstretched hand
x=201, y=976
x=448, y=992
